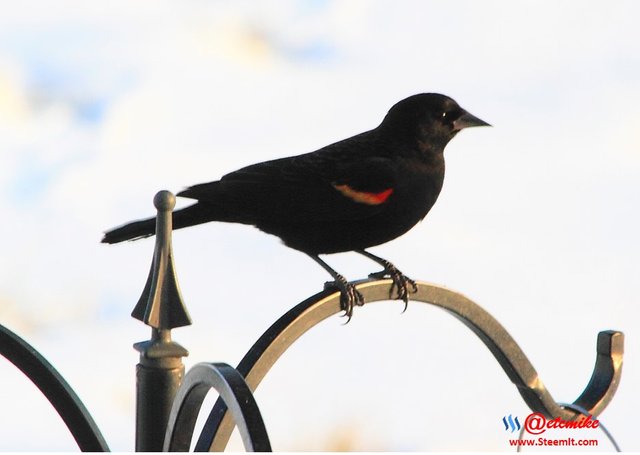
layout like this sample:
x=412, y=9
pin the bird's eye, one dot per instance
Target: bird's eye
x=444, y=115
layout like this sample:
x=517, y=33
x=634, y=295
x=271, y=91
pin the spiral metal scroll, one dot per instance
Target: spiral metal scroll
x=284, y=332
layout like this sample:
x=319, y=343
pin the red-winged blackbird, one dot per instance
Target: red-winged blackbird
x=348, y=196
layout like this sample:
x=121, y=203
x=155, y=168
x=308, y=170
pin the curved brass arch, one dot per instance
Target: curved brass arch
x=293, y=324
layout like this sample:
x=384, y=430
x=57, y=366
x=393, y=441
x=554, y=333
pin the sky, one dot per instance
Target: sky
x=102, y=104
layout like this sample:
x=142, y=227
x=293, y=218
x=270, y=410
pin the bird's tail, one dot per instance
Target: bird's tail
x=135, y=230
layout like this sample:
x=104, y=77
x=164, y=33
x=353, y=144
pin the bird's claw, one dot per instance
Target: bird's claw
x=350, y=297
x=400, y=285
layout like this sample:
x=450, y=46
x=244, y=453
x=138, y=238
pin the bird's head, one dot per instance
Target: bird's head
x=429, y=119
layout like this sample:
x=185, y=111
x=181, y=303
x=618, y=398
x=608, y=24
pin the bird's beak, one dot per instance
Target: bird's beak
x=467, y=120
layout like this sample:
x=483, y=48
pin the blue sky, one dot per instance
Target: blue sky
x=103, y=104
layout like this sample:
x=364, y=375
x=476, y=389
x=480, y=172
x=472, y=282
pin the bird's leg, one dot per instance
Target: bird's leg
x=349, y=295
x=401, y=282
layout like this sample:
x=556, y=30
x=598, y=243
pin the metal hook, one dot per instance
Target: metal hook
x=286, y=330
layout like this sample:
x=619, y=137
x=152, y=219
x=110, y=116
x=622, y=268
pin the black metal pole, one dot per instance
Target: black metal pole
x=158, y=376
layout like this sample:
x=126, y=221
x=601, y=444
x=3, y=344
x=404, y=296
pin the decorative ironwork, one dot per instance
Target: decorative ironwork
x=160, y=371
x=160, y=305
x=168, y=401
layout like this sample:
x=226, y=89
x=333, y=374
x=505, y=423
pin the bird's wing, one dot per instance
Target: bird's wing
x=303, y=189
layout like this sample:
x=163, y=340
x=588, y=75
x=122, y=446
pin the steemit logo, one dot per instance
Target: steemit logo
x=510, y=423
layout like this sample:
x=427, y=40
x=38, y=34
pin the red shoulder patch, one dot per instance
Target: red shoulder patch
x=364, y=197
